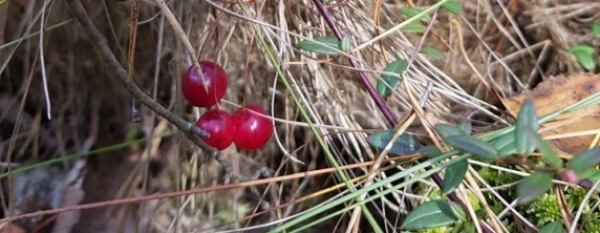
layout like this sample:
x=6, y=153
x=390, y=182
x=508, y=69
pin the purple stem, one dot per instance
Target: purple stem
x=382, y=106
x=363, y=78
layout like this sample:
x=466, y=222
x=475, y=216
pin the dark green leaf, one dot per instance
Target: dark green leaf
x=446, y=130
x=414, y=27
x=454, y=175
x=585, y=159
x=465, y=126
x=430, y=151
x=330, y=45
x=472, y=145
x=433, y=53
x=584, y=55
x=548, y=154
x=596, y=29
x=526, y=128
x=453, y=7
x=553, y=227
x=412, y=12
x=388, y=83
x=533, y=186
x=434, y=213
x=505, y=145
x=405, y=145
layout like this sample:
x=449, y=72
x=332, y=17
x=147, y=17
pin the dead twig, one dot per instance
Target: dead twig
x=101, y=44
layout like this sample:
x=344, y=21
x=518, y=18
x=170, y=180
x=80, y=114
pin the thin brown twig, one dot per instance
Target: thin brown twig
x=158, y=196
x=101, y=44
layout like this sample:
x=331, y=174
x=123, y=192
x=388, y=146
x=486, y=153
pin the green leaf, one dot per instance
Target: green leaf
x=533, y=186
x=553, y=227
x=446, y=130
x=430, y=151
x=548, y=154
x=411, y=12
x=525, y=129
x=585, y=56
x=465, y=126
x=453, y=7
x=414, y=27
x=405, y=145
x=433, y=53
x=387, y=83
x=505, y=145
x=345, y=44
x=454, y=175
x=585, y=159
x=596, y=29
x=587, y=173
x=329, y=47
x=472, y=145
x=434, y=213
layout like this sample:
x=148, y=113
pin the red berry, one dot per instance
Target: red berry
x=193, y=87
x=219, y=124
x=252, y=130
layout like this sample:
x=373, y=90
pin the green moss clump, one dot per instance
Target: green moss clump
x=545, y=209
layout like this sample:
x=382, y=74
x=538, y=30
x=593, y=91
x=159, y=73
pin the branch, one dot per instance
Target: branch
x=101, y=44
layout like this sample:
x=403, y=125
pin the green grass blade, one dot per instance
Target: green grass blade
x=339, y=172
x=374, y=186
x=14, y=42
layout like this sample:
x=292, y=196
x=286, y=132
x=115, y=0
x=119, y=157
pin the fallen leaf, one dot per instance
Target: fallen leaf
x=554, y=94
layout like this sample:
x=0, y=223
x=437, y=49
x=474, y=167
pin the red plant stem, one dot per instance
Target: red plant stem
x=363, y=78
x=381, y=103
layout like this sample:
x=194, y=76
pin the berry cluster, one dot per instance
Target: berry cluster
x=246, y=127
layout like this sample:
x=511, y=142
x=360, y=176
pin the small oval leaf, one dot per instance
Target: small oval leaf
x=553, y=227
x=585, y=159
x=453, y=7
x=405, y=145
x=412, y=12
x=329, y=47
x=533, y=186
x=414, y=27
x=526, y=128
x=430, y=151
x=454, y=175
x=596, y=29
x=434, y=213
x=584, y=55
x=548, y=154
x=472, y=145
x=446, y=130
x=587, y=173
x=388, y=83
x=345, y=44
x=433, y=53
x=505, y=145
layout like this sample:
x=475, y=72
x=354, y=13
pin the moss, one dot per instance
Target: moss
x=545, y=209
x=591, y=223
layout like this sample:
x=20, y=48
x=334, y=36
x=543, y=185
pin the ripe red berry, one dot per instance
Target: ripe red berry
x=219, y=124
x=252, y=131
x=193, y=87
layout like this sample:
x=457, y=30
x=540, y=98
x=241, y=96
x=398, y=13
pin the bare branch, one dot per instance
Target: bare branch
x=138, y=95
